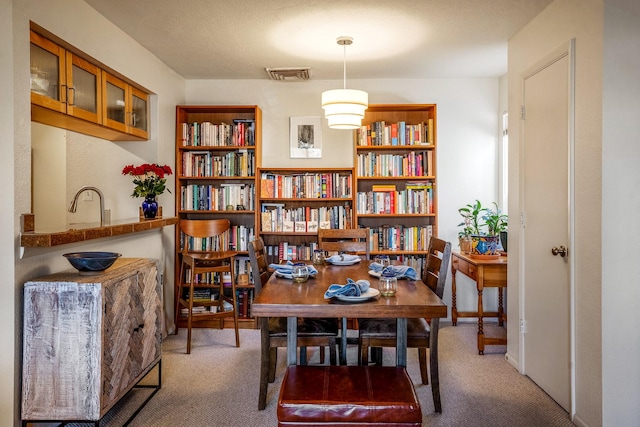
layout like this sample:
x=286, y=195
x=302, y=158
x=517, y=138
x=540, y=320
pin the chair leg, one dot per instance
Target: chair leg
x=178, y=296
x=322, y=353
x=303, y=356
x=265, y=353
x=235, y=303
x=332, y=351
x=433, y=357
x=190, y=315
x=376, y=355
x=273, y=361
x=422, y=359
x=363, y=354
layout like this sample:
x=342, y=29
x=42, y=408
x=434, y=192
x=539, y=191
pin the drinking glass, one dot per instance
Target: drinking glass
x=383, y=260
x=300, y=273
x=388, y=284
x=318, y=257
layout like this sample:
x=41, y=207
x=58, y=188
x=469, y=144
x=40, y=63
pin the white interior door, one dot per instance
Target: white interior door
x=547, y=291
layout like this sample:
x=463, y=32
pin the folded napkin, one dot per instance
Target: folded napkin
x=286, y=269
x=342, y=258
x=399, y=270
x=353, y=288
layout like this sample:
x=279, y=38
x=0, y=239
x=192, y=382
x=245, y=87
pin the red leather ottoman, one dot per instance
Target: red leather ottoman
x=347, y=396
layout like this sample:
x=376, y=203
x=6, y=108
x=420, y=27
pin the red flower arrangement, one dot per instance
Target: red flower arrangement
x=149, y=179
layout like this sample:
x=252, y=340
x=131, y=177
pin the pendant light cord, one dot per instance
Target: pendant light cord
x=344, y=50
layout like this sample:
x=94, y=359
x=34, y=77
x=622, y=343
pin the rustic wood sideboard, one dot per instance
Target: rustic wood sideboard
x=87, y=340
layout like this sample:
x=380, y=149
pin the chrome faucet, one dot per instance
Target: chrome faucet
x=74, y=204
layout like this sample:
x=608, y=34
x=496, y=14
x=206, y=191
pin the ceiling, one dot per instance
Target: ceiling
x=224, y=39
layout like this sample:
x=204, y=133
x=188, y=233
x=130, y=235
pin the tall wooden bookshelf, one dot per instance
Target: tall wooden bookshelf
x=295, y=202
x=395, y=179
x=218, y=151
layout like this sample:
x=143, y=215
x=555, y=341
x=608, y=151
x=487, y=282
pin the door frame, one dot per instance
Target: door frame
x=566, y=49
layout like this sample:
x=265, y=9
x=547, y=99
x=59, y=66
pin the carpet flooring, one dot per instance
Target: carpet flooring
x=217, y=385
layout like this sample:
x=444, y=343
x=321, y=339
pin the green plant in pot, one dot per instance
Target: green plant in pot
x=495, y=222
x=470, y=224
x=481, y=228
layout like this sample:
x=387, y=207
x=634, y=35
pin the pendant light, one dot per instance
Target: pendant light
x=344, y=108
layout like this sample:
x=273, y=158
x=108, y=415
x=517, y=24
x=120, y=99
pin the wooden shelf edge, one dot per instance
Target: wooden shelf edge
x=394, y=147
x=237, y=212
x=311, y=199
x=224, y=178
x=217, y=147
x=403, y=178
x=32, y=239
x=371, y=215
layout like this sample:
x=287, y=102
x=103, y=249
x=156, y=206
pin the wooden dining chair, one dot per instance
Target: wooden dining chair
x=273, y=333
x=349, y=240
x=196, y=262
x=421, y=333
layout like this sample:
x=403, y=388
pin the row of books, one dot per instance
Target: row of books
x=217, y=198
x=206, y=134
x=244, y=299
x=241, y=163
x=396, y=134
x=399, y=237
x=236, y=238
x=305, y=186
x=275, y=217
x=410, y=164
x=284, y=251
x=241, y=265
x=416, y=198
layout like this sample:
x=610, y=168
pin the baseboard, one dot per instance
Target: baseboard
x=512, y=361
x=579, y=422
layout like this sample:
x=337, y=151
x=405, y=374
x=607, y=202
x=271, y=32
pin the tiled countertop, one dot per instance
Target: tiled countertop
x=88, y=231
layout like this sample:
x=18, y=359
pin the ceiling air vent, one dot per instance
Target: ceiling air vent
x=288, y=74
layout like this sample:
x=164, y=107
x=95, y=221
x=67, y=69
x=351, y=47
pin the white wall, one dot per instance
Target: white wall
x=81, y=26
x=467, y=136
x=49, y=169
x=8, y=303
x=555, y=26
x=620, y=201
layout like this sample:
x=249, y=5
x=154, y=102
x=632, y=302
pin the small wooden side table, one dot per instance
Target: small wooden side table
x=487, y=273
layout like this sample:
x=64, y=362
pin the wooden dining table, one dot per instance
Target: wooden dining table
x=281, y=297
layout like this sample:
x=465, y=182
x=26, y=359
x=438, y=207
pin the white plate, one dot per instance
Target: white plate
x=378, y=274
x=354, y=261
x=289, y=276
x=368, y=294
x=375, y=273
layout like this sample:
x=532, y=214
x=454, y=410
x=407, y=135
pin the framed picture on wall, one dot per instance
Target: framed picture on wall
x=305, y=137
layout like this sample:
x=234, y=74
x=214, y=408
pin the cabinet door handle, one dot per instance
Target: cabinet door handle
x=71, y=97
x=63, y=91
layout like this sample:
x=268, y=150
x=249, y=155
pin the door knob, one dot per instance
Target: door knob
x=562, y=251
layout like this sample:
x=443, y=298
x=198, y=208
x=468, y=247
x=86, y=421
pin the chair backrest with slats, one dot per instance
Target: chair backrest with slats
x=259, y=264
x=203, y=229
x=436, y=266
x=352, y=240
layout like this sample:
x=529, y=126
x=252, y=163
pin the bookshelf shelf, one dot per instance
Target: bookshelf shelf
x=378, y=215
x=218, y=150
x=294, y=202
x=395, y=179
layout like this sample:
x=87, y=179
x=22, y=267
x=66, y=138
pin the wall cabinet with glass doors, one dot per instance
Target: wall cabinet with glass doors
x=72, y=91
